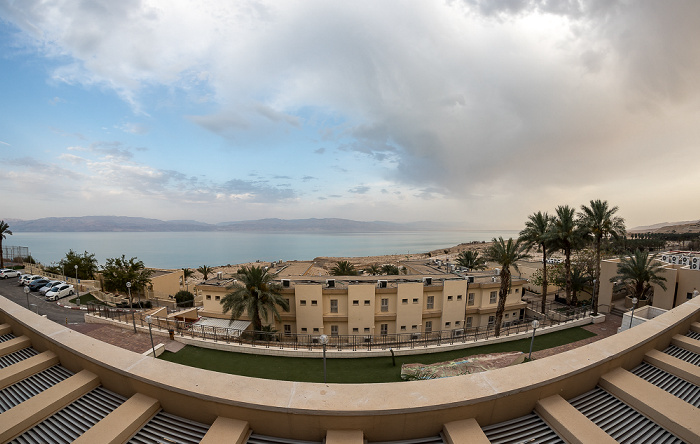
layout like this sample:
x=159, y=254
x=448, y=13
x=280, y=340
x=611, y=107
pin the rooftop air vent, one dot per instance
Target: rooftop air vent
x=330, y=283
x=219, y=275
x=285, y=283
x=382, y=283
x=427, y=281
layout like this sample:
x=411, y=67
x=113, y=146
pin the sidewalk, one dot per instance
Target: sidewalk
x=124, y=338
x=602, y=330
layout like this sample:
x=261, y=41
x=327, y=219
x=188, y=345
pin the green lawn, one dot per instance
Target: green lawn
x=85, y=298
x=356, y=370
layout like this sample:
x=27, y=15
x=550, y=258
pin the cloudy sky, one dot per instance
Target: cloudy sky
x=479, y=112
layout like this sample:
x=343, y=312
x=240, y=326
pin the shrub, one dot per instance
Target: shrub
x=184, y=298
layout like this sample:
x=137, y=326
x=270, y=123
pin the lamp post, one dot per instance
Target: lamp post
x=77, y=284
x=634, y=304
x=128, y=289
x=324, y=341
x=535, y=324
x=26, y=293
x=150, y=332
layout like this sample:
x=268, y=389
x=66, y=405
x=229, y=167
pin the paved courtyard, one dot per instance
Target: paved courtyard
x=125, y=338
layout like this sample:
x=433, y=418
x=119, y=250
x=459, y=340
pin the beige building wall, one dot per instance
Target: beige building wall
x=453, y=304
x=361, y=301
x=309, y=309
x=409, y=308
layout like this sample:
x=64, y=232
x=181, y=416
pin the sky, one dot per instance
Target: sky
x=472, y=112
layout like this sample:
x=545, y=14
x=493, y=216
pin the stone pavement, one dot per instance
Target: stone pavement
x=602, y=330
x=125, y=338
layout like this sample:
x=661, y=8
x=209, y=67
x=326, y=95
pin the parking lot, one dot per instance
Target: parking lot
x=38, y=304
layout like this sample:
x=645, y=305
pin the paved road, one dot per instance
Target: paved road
x=37, y=303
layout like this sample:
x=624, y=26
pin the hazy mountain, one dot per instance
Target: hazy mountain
x=124, y=223
x=666, y=226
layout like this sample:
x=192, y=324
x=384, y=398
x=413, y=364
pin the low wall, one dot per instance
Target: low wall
x=389, y=411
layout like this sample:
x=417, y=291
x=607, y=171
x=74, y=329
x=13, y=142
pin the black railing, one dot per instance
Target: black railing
x=556, y=314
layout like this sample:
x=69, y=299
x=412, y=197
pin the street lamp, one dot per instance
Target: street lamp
x=149, y=320
x=324, y=341
x=634, y=304
x=26, y=293
x=128, y=289
x=77, y=284
x=535, y=324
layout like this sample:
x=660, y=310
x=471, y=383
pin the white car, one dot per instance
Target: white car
x=27, y=279
x=7, y=273
x=60, y=291
x=49, y=286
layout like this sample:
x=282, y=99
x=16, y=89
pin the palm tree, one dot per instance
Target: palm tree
x=471, y=260
x=566, y=235
x=374, y=269
x=343, y=268
x=254, y=293
x=506, y=254
x=4, y=230
x=205, y=271
x=600, y=221
x=390, y=269
x=638, y=272
x=536, y=232
x=187, y=273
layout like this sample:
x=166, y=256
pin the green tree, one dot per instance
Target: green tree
x=506, y=254
x=4, y=231
x=390, y=269
x=256, y=294
x=536, y=233
x=638, y=272
x=187, y=273
x=343, y=268
x=118, y=271
x=566, y=235
x=205, y=271
x=600, y=222
x=184, y=298
x=374, y=269
x=86, y=262
x=471, y=260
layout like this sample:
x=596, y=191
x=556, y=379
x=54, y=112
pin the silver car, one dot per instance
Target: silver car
x=8, y=273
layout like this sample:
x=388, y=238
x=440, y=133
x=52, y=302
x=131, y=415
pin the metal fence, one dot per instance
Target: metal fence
x=15, y=254
x=340, y=342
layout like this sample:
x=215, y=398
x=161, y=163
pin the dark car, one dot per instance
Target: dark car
x=37, y=284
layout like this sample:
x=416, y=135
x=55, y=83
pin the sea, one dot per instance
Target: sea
x=172, y=250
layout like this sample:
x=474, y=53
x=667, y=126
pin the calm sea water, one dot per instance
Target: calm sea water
x=193, y=249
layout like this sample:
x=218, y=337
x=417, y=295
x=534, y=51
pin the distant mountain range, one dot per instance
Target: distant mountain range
x=688, y=226
x=135, y=224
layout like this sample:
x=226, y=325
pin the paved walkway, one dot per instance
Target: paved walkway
x=125, y=338
x=602, y=331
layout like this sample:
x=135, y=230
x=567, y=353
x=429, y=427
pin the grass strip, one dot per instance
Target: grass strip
x=350, y=370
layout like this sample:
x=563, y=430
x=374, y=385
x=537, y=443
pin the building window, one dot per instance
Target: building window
x=303, y=329
x=492, y=298
x=367, y=302
x=449, y=298
x=334, y=330
x=458, y=323
x=470, y=299
x=287, y=299
x=287, y=330
x=385, y=304
x=448, y=324
x=428, y=326
x=314, y=303
x=366, y=329
x=218, y=298
x=302, y=302
x=492, y=320
x=403, y=328
x=430, y=304
x=208, y=297
x=459, y=297
x=355, y=330
x=315, y=330
x=415, y=300
x=414, y=327
x=506, y=315
x=517, y=290
x=404, y=301
x=356, y=302
x=384, y=329
x=469, y=322
x=334, y=306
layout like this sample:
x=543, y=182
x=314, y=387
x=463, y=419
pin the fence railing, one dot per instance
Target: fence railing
x=355, y=342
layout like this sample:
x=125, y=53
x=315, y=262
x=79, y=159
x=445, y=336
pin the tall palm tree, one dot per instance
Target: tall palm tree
x=600, y=221
x=343, y=268
x=638, y=272
x=254, y=293
x=506, y=254
x=536, y=232
x=566, y=235
x=187, y=273
x=4, y=230
x=390, y=269
x=374, y=269
x=205, y=271
x=471, y=260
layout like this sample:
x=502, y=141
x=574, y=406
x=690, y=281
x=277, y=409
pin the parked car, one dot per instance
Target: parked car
x=36, y=284
x=60, y=291
x=49, y=286
x=8, y=273
x=27, y=279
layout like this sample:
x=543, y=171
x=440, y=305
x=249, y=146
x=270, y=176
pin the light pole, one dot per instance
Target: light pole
x=535, y=324
x=77, y=284
x=150, y=332
x=324, y=341
x=26, y=293
x=128, y=289
x=634, y=304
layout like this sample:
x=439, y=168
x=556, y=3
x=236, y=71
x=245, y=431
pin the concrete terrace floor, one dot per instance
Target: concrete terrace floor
x=602, y=330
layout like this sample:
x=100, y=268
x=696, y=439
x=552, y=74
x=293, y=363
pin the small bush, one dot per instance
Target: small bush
x=184, y=298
